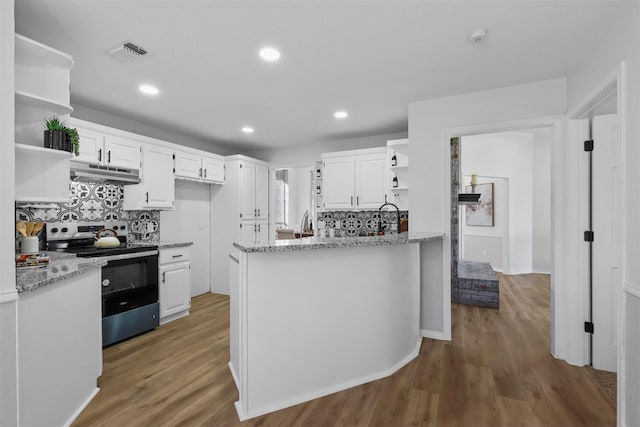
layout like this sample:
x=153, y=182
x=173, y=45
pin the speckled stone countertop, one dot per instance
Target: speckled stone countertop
x=61, y=266
x=163, y=244
x=336, y=242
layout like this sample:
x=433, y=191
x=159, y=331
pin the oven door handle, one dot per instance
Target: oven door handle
x=127, y=256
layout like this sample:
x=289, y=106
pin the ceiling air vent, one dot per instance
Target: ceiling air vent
x=128, y=52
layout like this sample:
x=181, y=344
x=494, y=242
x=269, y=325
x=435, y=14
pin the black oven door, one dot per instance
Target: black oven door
x=129, y=281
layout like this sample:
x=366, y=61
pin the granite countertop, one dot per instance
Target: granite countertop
x=336, y=242
x=163, y=244
x=61, y=266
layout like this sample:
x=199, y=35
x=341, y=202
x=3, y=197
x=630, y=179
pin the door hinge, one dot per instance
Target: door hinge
x=588, y=145
x=588, y=236
x=588, y=327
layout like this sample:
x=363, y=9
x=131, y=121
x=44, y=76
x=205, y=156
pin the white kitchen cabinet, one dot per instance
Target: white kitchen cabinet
x=157, y=188
x=354, y=179
x=254, y=191
x=239, y=212
x=174, y=270
x=254, y=231
x=99, y=148
x=190, y=166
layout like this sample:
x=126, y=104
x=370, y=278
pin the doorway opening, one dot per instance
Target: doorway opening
x=509, y=229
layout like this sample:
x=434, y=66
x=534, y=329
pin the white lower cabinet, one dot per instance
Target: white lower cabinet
x=175, y=283
x=254, y=231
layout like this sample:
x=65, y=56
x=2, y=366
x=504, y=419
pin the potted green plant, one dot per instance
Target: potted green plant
x=55, y=135
x=59, y=137
x=74, y=139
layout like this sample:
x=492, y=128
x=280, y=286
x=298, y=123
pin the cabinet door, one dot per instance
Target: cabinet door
x=248, y=231
x=213, y=169
x=262, y=231
x=188, y=165
x=262, y=192
x=339, y=183
x=121, y=153
x=370, y=181
x=248, y=208
x=157, y=177
x=91, y=148
x=175, y=288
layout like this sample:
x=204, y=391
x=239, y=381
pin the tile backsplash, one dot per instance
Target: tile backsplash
x=355, y=223
x=97, y=202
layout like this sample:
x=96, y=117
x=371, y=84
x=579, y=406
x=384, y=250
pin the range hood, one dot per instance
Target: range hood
x=95, y=173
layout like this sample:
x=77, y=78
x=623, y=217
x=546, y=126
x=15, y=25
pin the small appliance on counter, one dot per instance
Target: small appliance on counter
x=129, y=280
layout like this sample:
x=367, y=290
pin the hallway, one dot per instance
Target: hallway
x=496, y=371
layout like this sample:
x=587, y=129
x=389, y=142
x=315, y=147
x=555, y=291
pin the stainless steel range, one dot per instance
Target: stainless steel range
x=129, y=280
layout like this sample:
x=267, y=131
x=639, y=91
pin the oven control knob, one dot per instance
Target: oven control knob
x=64, y=229
x=54, y=230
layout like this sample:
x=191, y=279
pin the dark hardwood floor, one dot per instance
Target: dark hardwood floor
x=497, y=371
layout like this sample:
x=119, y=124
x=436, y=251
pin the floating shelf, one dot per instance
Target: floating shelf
x=44, y=151
x=399, y=188
x=45, y=104
x=36, y=51
x=399, y=167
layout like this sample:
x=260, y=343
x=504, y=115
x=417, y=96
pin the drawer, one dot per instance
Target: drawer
x=170, y=255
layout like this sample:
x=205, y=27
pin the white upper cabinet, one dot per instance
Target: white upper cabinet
x=248, y=209
x=354, y=179
x=262, y=191
x=370, y=180
x=157, y=189
x=339, y=183
x=100, y=148
x=196, y=167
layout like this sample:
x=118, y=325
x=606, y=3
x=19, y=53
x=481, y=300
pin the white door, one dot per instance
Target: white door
x=607, y=215
x=339, y=183
x=247, y=191
x=175, y=292
x=262, y=192
x=213, y=170
x=91, y=147
x=121, y=153
x=370, y=181
x=157, y=177
x=188, y=165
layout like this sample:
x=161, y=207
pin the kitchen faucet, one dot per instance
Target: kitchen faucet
x=380, y=219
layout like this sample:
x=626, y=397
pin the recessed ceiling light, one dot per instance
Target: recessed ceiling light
x=149, y=90
x=269, y=54
x=247, y=129
x=340, y=115
x=478, y=35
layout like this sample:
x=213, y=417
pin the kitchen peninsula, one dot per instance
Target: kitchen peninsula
x=314, y=316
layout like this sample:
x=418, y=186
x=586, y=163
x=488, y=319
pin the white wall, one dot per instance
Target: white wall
x=430, y=124
x=308, y=154
x=541, y=261
x=622, y=42
x=508, y=155
x=8, y=294
x=131, y=125
x=190, y=221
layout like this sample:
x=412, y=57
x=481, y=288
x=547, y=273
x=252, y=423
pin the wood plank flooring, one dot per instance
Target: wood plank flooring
x=497, y=371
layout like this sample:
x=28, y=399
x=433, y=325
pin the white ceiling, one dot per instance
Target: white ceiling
x=371, y=58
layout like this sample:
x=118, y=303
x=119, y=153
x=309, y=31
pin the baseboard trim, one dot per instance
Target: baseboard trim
x=234, y=375
x=81, y=407
x=245, y=415
x=173, y=317
x=632, y=289
x=434, y=335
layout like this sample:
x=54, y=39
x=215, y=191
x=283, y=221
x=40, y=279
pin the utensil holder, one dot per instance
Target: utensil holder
x=30, y=245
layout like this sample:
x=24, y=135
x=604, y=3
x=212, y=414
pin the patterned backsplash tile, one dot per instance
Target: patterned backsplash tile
x=97, y=202
x=356, y=223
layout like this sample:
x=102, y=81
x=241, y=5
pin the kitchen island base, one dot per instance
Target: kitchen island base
x=307, y=323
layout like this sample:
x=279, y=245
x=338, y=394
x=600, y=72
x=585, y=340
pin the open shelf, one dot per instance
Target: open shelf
x=36, y=51
x=44, y=104
x=399, y=167
x=399, y=189
x=44, y=151
x=398, y=143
